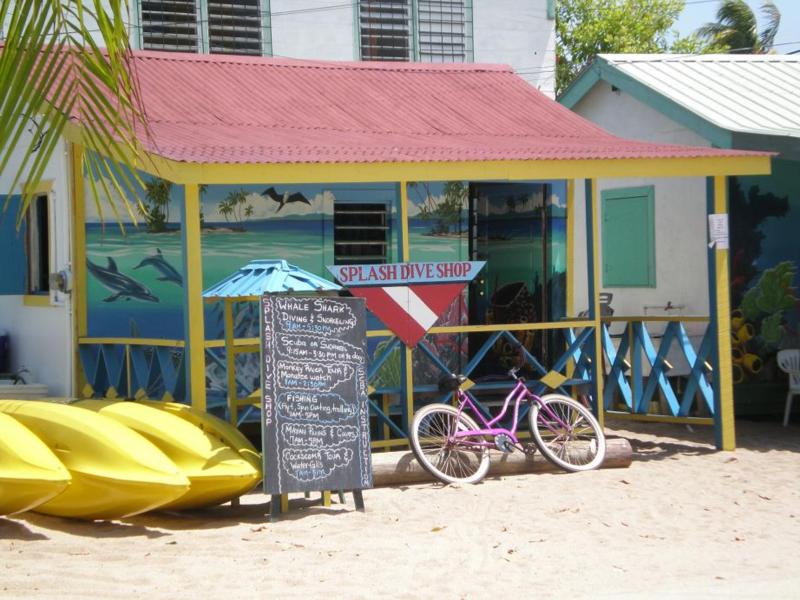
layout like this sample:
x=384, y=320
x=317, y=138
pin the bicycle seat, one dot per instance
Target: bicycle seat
x=451, y=382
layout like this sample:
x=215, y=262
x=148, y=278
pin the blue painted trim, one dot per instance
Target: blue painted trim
x=602, y=69
x=266, y=28
x=697, y=375
x=551, y=9
x=657, y=377
x=616, y=378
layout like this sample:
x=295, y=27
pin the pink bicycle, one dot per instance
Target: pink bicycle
x=451, y=446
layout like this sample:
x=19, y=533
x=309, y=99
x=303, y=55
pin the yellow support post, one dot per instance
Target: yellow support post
x=230, y=363
x=408, y=360
x=194, y=329
x=570, y=248
x=404, y=246
x=593, y=214
x=78, y=298
x=721, y=315
x=326, y=498
x=570, y=261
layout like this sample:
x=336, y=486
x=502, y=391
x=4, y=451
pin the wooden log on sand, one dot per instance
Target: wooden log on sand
x=399, y=468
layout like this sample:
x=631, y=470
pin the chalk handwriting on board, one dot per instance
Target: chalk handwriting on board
x=315, y=399
x=308, y=435
x=311, y=464
x=318, y=408
x=318, y=348
x=314, y=315
x=318, y=377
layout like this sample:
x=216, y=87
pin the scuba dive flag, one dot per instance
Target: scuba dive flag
x=408, y=297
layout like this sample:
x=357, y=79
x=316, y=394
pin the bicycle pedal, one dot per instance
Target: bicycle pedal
x=529, y=449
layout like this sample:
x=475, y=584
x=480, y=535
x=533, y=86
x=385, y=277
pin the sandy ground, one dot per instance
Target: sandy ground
x=684, y=521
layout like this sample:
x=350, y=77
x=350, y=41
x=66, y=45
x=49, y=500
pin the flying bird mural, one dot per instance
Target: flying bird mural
x=286, y=198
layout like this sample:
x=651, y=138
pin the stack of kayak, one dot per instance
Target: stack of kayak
x=99, y=459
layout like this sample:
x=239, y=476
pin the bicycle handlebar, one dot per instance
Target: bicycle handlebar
x=513, y=373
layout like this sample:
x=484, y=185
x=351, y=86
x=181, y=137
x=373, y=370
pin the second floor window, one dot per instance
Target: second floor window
x=210, y=26
x=169, y=25
x=424, y=30
x=385, y=29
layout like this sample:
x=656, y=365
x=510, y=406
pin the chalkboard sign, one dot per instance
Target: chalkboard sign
x=314, y=394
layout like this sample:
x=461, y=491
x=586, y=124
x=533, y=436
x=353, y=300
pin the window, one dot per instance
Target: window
x=169, y=25
x=37, y=246
x=629, y=237
x=426, y=30
x=359, y=234
x=234, y=27
x=385, y=29
x=442, y=31
x=215, y=26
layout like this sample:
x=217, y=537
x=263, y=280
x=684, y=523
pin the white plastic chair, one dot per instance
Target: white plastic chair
x=789, y=362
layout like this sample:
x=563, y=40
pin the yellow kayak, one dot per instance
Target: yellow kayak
x=115, y=472
x=217, y=473
x=30, y=474
x=222, y=430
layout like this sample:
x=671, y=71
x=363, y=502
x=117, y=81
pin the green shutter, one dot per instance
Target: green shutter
x=629, y=237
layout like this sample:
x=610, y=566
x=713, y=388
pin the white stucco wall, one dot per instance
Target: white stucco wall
x=518, y=33
x=680, y=212
x=327, y=34
x=41, y=336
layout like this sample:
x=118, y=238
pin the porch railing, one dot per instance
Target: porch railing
x=658, y=368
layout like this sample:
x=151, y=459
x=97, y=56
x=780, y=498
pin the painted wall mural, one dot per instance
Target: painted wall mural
x=136, y=278
x=765, y=270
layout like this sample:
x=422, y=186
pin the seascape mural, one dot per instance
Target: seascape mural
x=136, y=278
x=765, y=271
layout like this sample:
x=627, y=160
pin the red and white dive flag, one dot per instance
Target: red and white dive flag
x=408, y=297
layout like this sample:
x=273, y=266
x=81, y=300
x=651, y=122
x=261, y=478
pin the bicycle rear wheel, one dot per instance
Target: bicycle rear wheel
x=450, y=461
x=567, y=434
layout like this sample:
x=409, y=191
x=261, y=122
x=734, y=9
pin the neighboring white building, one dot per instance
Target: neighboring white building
x=743, y=102
x=520, y=33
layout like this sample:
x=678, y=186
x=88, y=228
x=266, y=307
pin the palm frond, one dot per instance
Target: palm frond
x=735, y=27
x=53, y=72
x=773, y=19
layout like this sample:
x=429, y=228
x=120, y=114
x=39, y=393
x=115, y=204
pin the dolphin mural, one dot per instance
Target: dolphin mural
x=120, y=284
x=168, y=272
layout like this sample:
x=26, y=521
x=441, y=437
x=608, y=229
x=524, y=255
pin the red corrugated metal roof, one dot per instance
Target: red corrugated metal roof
x=223, y=109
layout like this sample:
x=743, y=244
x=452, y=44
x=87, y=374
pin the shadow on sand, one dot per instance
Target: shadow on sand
x=14, y=529
x=674, y=439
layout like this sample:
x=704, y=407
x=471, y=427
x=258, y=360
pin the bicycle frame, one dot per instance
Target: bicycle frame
x=519, y=393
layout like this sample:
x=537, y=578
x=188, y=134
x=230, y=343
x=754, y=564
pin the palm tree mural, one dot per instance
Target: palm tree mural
x=53, y=71
x=736, y=27
x=235, y=207
x=155, y=207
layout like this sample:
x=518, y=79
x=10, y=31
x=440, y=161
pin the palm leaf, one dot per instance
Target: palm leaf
x=53, y=72
x=773, y=18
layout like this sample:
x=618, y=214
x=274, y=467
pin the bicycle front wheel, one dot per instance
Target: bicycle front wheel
x=462, y=460
x=567, y=433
